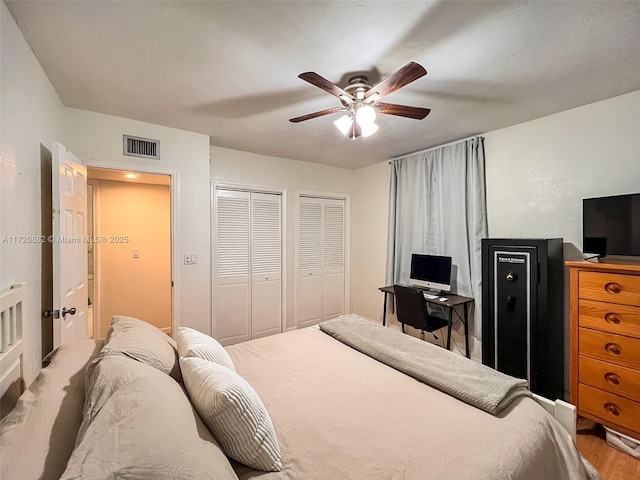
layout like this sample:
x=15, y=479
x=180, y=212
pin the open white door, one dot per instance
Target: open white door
x=70, y=295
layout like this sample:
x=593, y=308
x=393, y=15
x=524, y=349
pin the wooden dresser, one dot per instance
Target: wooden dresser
x=605, y=344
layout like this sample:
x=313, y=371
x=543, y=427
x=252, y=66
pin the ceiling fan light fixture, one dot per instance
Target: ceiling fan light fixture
x=365, y=115
x=359, y=100
x=343, y=124
x=368, y=129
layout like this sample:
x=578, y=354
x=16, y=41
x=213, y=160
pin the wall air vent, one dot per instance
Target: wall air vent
x=140, y=147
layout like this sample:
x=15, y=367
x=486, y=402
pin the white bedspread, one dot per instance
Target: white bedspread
x=342, y=415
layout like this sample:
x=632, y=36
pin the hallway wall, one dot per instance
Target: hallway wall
x=138, y=217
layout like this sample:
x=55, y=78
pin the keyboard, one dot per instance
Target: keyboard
x=429, y=296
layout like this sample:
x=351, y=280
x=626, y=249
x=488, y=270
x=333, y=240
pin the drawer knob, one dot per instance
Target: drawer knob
x=612, y=318
x=613, y=287
x=613, y=348
x=612, y=378
x=612, y=408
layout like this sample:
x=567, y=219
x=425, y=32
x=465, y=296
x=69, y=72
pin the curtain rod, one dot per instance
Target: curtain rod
x=436, y=147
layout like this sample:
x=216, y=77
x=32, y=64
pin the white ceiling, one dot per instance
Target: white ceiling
x=229, y=69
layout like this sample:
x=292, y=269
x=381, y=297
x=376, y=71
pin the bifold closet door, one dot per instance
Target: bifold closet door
x=232, y=301
x=248, y=265
x=321, y=259
x=333, y=213
x=266, y=261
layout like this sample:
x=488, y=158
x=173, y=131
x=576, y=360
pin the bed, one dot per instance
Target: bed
x=11, y=346
x=336, y=412
x=342, y=414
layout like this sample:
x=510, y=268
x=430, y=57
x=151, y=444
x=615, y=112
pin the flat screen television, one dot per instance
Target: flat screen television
x=611, y=225
x=431, y=271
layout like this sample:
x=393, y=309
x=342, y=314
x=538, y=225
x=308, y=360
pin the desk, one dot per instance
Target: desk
x=452, y=302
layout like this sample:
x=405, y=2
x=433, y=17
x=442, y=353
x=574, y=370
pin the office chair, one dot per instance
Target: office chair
x=411, y=309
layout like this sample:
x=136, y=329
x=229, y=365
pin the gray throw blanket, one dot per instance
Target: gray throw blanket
x=467, y=380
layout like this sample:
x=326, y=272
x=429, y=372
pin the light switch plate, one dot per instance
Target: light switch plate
x=190, y=259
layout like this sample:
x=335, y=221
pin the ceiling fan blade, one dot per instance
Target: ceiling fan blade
x=398, y=79
x=314, y=79
x=321, y=113
x=417, y=113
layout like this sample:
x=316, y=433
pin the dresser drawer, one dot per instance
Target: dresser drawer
x=612, y=348
x=610, y=317
x=612, y=378
x=610, y=287
x=609, y=407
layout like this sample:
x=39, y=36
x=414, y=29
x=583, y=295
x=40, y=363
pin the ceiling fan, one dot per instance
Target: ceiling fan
x=360, y=100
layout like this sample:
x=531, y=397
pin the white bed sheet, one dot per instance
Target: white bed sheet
x=342, y=415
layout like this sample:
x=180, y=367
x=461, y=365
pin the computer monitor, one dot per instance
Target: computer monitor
x=431, y=271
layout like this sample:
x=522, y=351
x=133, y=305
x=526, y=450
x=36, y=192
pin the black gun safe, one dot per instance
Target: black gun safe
x=523, y=311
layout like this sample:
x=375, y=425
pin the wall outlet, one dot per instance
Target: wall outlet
x=190, y=259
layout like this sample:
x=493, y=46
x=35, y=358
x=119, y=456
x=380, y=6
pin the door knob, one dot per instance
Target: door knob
x=71, y=311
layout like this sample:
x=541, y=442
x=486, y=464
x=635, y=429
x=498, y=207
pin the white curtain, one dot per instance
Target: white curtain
x=437, y=206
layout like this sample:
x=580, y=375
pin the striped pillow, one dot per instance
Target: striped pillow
x=234, y=413
x=192, y=343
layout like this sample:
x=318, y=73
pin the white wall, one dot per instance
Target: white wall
x=30, y=116
x=250, y=169
x=370, y=212
x=98, y=137
x=538, y=172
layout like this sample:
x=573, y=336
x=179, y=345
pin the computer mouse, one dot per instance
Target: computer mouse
x=443, y=299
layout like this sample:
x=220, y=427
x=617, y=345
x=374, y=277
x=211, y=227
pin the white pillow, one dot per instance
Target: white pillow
x=192, y=343
x=137, y=339
x=139, y=424
x=234, y=413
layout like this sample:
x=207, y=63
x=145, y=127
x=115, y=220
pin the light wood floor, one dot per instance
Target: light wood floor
x=610, y=462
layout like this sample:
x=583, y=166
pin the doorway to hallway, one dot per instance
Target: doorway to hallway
x=130, y=257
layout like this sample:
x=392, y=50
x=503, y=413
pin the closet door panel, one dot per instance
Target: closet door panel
x=333, y=255
x=266, y=261
x=266, y=307
x=309, y=261
x=310, y=300
x=232, y=313
x=333, y=298
x=231, y=306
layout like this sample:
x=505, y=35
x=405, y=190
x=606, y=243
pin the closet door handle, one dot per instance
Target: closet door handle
x=613, y=287
x=612, y=378
x=612, y=318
